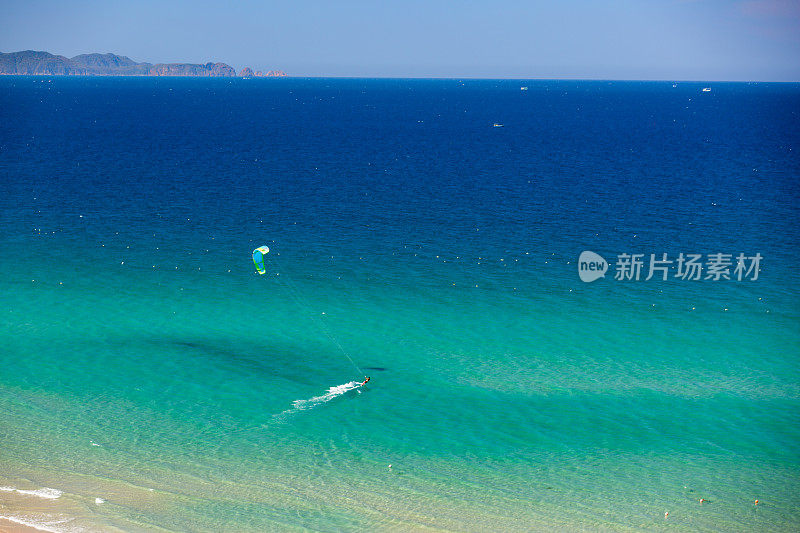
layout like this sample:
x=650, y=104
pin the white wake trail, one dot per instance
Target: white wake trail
x=310, y=403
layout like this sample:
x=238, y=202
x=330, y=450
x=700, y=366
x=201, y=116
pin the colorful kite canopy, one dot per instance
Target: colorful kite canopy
x=258, y=258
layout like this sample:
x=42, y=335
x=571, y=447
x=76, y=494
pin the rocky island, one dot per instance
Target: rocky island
x=31, y=62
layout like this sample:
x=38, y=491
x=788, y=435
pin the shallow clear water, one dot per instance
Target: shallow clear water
x=146, y=363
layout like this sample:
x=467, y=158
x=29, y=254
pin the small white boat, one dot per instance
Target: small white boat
x=706, y=89
x=497, y=125
x=523, y=88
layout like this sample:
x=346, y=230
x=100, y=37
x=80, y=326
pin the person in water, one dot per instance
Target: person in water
x=365, y=380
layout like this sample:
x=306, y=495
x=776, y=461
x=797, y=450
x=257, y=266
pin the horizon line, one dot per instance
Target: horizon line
x=455, y=78
x=400, y=77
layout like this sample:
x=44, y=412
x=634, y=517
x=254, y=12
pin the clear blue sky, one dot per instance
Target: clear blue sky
x=612, y=39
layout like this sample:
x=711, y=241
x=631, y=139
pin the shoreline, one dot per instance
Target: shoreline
x=8, y=523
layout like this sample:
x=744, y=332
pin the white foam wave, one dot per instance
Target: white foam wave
x=41, y=526
x=46, y=493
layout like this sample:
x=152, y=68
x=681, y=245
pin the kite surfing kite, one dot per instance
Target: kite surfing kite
x=258, y=258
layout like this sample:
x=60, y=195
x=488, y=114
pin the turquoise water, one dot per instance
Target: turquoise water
x=147, y=364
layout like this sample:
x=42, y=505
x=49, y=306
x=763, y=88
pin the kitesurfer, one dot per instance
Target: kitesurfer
x=365, y=380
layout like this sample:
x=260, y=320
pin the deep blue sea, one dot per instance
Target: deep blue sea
x=425, y=233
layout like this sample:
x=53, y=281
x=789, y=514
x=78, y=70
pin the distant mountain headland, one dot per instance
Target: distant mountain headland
x=31, y=62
